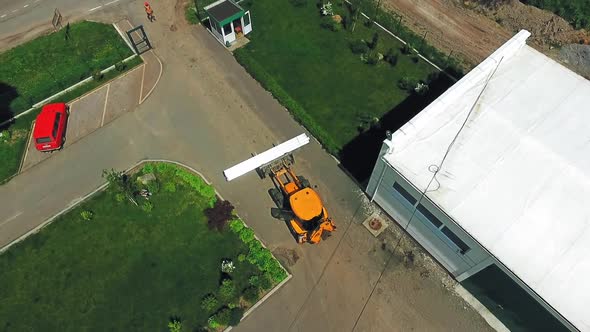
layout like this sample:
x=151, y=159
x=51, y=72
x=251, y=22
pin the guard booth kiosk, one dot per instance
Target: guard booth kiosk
x=228, y=21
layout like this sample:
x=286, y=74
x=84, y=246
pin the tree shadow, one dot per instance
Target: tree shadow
x=359, y=155
x=8, y=93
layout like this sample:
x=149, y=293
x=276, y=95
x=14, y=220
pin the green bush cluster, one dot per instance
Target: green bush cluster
x=577, y=12
x=209, y=303
x=359, y=46
x=227, y=290
x=193, y=181
x=269, y=83
x=251, y=294
x=257, y=254
x=87, y=215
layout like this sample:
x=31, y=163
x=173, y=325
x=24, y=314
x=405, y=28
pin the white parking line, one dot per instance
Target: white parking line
x=95, y=8
x=110, y=3
x=106, y=101
x=14, y=11
x=11, y=218
x=25, y=6
x=3, y=16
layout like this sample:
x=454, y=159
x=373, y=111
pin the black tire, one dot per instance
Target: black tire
x=277, y=197
x=304, y=182
x=261, y=173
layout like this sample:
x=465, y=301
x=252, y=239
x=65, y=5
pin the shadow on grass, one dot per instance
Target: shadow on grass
x=359, y=155
x=8, y=93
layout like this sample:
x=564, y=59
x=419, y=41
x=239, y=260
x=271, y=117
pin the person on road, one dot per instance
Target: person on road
x=149, y=11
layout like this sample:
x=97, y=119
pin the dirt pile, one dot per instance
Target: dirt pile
x=577, y=57
x=547, y=29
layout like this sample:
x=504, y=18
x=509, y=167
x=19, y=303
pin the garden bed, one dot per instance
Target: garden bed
x=337, y=81
x=110, y=264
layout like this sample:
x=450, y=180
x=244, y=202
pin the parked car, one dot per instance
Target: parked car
x=50, y=127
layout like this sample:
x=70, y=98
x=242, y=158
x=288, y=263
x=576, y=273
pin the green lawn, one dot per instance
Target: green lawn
x=44, y=66
x=126, y=269
x=327, y=87
x=13, y=147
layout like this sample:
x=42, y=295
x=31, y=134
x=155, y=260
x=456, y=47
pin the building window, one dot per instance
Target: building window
x=428, y=215
x=56, y=124
x=227, y=29
x=247, y=19
x=406, y=197
x=455, y=239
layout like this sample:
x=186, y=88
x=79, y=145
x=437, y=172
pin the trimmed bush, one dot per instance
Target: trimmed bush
x=227, y=290
x=170, y=187
x=247, y=235
x=241, y=257
x=251, y=294
x=359, y=46
x=87, y=215
x=236, y=226
x=407, y=83
x=147, y=206
x=223, y=316
x=372, y=58
x=235, y=316
x=374, y=41
x=391, y=57
x=209, y=303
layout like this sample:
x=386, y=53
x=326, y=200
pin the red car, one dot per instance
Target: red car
x=50, y=127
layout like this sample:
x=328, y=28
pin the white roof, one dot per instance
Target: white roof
x=518, y=177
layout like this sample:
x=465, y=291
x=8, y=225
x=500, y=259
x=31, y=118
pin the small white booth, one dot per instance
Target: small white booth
x=228, y=21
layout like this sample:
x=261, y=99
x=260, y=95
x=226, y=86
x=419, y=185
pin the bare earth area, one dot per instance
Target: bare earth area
x=472, y=31
x=451, y=28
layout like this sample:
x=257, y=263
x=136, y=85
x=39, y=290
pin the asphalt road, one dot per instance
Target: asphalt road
x=24, y=19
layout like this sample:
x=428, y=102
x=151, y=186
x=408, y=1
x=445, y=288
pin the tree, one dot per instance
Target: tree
x=120, y=183
x=374, y=41
x=175, y=325
x=219, y=215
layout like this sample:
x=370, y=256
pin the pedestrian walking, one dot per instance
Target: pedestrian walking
x=149, y=11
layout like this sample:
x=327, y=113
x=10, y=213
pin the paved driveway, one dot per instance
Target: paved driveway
x=207, y=112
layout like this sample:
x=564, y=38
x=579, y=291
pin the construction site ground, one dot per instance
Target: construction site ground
x=472, y=31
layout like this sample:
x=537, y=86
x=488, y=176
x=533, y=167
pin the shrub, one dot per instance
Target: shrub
x=120, y=66
x=265, y=282
x=359, y=46
x=97, y=75
x=372, y=58
x=329, y=24
x=241, y=257
x=175, y=326
x=219, y=215
x=298, y=3
x=87, y=215
x=254, y=281
x=407, y=48
x=369, y=23
x=407, y=83
x=153, y=186
x=236, y=226
x=374, y=41
x=119, y=182
x=213, y=323
x=227, y=290
x=235, y=316
x=247, y=235
x=147, y=206
x=391, y=57
x=251, y=294
x=193, y=181
x=209, y=303
x=260, y=281
x=223, y=316
x=148, y=168
x=170, y=187
x=119, y=197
